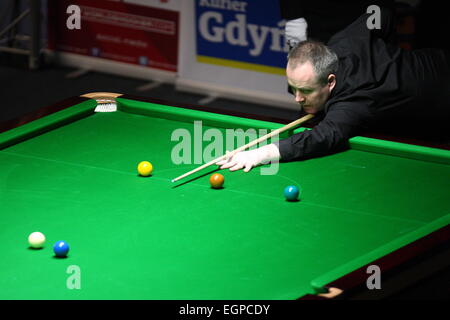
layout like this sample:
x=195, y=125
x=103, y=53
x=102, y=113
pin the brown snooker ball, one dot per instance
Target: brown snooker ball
x=216, y=181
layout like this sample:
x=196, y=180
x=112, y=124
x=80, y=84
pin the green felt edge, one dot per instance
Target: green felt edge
x=398, y=149
x=401, y=149
x=86, y=108
x=225, y=121
x=189, y=115
x=45, y=124
x=321, y=282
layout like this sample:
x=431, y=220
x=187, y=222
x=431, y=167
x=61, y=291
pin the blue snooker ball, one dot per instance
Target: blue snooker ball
x=291, y=193
x=61, y=248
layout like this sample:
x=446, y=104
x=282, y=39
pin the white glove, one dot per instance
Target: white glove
x=251, y=158
x=295, y=31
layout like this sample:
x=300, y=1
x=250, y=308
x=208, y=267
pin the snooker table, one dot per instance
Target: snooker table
x=70, y=173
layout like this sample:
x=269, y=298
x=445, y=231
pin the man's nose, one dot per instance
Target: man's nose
x=299, y=97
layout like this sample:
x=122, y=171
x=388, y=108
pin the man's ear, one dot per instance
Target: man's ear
x=331, y=81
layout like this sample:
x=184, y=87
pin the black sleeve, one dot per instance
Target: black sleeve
x=388, y=25
x=359, y=27
x=343, y=121
x=291, y=9
x=327, y=17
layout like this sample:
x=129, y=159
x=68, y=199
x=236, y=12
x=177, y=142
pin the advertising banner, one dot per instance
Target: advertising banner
x=234, y=49
x=117, y=31
x=241, y=34
x=173, y=5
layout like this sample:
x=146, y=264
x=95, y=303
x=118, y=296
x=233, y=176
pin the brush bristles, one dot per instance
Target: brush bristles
x=106, y=107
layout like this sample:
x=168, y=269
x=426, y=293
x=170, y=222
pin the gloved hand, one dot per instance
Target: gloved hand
x=251, y=158
x=295, y=31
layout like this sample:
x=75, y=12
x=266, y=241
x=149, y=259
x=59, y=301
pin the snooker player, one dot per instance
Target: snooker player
x=358, y=81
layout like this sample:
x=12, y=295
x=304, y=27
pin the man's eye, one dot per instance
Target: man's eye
x=306, y=91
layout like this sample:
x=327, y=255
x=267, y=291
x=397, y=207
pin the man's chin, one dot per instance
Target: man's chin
x=309, y=110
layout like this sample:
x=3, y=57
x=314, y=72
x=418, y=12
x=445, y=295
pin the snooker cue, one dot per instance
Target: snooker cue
x=248, y=145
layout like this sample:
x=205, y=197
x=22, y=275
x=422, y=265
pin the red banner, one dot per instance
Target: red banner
x=117, y=31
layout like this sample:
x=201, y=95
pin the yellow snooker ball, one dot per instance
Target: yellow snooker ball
x=145, y=168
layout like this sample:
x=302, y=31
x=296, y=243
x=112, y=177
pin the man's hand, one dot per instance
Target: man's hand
x=295, y=31
x=251, y=158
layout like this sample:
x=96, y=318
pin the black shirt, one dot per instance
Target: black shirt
x=375, y=81
x=326, y=17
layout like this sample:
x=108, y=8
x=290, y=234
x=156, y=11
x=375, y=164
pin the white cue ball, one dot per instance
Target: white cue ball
x=36, y=240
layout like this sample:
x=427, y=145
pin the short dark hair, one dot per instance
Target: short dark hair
x=322, y=58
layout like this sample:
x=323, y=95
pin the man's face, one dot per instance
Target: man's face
x=307, y=91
